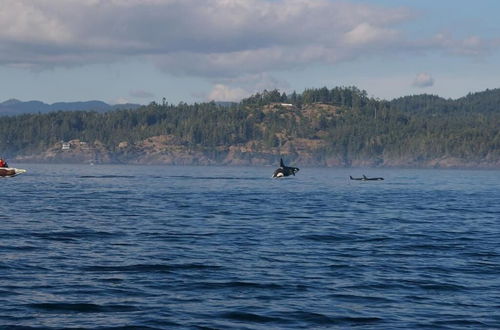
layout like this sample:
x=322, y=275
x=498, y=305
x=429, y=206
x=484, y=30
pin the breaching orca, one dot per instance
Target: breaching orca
x=284, y=170
x=364, y=178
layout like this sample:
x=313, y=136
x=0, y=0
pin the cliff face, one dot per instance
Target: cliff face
x=74, y=151
x=170, y=150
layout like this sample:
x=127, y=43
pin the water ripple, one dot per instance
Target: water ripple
x=119, y=247
x=149, y=268
x=82, y=307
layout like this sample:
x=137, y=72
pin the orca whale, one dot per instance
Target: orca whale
x=364, y=178
x=283, y=170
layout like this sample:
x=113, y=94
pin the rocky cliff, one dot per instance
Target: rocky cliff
x=170, y=150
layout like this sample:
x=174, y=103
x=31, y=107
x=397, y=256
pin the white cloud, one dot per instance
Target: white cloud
x=120, y=100
x=235, y=89
x=222, y=92
x=21, y=22
x=472, y=45
x=258, y=82
x=209, y=38
x=423, y=79
x=214, y=38
x=365, y=33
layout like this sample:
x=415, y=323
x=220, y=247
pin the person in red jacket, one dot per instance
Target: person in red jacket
x=3, y=163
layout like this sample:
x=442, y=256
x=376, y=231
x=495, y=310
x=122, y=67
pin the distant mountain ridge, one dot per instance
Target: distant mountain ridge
x=16, y=107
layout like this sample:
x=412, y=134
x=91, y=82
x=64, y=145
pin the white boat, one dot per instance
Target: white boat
x=10, y=171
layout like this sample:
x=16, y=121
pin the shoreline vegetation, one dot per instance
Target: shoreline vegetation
x=339, y=127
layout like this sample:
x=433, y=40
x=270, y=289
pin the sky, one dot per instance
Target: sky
x=139, y=51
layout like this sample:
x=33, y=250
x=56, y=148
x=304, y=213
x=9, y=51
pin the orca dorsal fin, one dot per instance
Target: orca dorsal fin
x=364, y=177
x=281, y=163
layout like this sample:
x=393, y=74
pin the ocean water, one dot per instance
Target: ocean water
x=166, y=247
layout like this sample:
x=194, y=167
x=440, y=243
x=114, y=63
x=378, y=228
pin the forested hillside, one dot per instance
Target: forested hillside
x=325, y=127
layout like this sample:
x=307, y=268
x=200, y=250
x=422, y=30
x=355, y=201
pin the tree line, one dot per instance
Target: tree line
x=354, y=126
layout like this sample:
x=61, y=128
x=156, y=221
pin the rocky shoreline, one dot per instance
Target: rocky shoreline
x=169, y=150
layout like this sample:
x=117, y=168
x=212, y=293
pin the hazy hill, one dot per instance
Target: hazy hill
x=487, y=101
x=16, y=107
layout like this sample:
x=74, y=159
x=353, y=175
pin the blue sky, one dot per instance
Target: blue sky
x=197, y=50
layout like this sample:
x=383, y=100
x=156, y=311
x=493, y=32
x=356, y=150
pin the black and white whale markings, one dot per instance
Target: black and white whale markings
x=364, y=178
x=283, y=170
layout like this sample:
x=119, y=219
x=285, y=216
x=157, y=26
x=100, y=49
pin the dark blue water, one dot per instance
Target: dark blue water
x=230, y=248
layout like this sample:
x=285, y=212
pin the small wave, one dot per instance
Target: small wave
x=482, y=267
x=6, y=293
x=459, y=322
x=192, y=177
x=239, y=284
x=361, y=299
x=20, y=327
x=82, y=307
x=321, y=319
x=165, y=325
x=58, y=236
x=482, y=254
x=339, y=266
x=135, y=327
x=107, y=176
x=18, y=248
x=432, y=247
x=128, y=327
x=326, y=238
x=301, y=217
x=74, y=235
x=399, y=285
x=375, y=239
x=140, y=268
x=21, y=266
x=357, y=320
x=112, y=280
x=170, y=236
x=442, y=287
x=249, y=317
